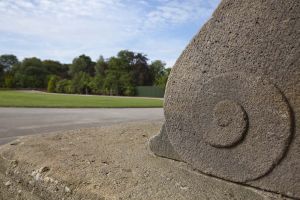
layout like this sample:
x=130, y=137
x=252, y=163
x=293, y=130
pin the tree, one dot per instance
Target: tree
x=162, y=80
x=6, y=63
x=30, y=74
x=56, y=68
x=8, y=80
x=126, y=59
x=1, y=75
x=118, y=75
x=82, y=63
x=96, y=84
x=157, y=70
x=136, y=64
x=101, y=66
x=118, y=78
x=81, y=83
x=52, y=83
x=64, y=86
x=8, y=60
x=126, y=85
x=140, y=72
x=111, y=83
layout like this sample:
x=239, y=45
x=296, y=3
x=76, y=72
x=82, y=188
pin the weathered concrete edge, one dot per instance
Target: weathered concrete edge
x=37, y=183
x=39, y=186
x=161, y=146
x=263, y=192
x=22, y=180
x=34, y=184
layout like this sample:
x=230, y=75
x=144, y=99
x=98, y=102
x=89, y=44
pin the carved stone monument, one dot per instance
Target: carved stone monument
x=232, y=102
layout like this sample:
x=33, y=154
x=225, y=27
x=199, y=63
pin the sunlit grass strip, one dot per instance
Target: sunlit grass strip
x=45, y=100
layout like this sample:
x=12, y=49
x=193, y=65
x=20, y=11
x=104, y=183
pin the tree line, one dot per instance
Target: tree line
x=117, y=75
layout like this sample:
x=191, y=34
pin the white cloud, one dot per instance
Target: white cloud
x=63, y=29
x=177, y=11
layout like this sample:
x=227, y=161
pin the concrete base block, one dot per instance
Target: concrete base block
x=106, y=163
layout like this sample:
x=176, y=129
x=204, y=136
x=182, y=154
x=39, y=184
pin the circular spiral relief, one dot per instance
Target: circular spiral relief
x=228, y=126
x=237, y=127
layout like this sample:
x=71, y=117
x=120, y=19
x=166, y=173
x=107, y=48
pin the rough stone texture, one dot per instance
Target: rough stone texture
x=106, y=163
x=232, y=102
x=161, y=146
x=223, y=144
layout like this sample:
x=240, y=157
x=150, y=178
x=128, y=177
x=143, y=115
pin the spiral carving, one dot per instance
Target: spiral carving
x=228, y=126
x=237, y=121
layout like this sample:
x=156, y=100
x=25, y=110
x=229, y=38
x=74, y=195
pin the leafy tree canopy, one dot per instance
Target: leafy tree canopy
x=31, y=73
x=82, y=63
x=56, y=68
x=118, y=75
x=101, y=66
x=8, y=60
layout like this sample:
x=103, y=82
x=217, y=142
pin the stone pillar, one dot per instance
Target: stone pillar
x=232, y=102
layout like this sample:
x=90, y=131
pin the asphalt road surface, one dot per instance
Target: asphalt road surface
x=15, y=122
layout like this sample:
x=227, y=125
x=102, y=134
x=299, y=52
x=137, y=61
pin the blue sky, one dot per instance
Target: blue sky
x=64, y=29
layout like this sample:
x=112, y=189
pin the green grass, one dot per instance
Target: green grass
x=10, y=98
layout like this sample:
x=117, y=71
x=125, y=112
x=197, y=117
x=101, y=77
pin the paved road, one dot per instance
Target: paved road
x=16, y=122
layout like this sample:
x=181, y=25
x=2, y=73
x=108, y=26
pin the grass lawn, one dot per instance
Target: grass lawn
x=10, y=98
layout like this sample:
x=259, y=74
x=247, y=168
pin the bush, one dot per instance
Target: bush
x=96, y=84
x=68, y=87
x=81, y=83
x=9, y=81
x=52, y=83
x=129, y=91
x=63, y=86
